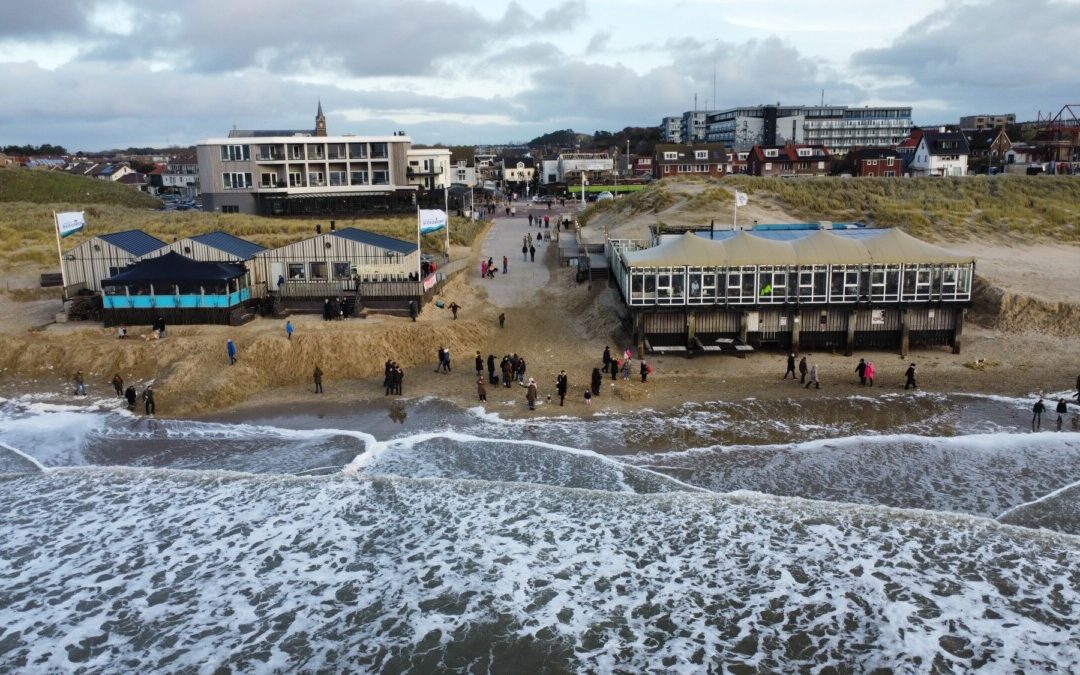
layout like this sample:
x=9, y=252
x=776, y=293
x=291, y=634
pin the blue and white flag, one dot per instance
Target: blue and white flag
x=431, y=220
x=741, y=199
x=71, y=222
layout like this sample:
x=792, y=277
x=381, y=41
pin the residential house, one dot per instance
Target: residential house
x=696, y=159
x=987, y=147
x=875, y=163
x=463, y=174
x=111, y=171
x=181, y=175
x=136, y=180
x=941, y=152
x=737, y=160
x=789, y=160
x=569, y=167
x=518, y=172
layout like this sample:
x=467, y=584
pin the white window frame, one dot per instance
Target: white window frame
x=880, y=276
x=268, y=180
x=808, y=276
x=775, y=276
x=673, y=292
x=363, y=177
x=701, y=154
x=804, y=152
x=236, y=180
x=669, y=156
x=922, y=278
x=296, y=179
x=316, y=179
x=235, y=153
x=772, y=152
x=701, y=285
x=734, y=292
x=768, y=166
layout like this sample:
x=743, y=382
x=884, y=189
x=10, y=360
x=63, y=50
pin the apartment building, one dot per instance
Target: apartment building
x=429, y=168
x=305, y=172
x=987, y=121
x=568, y=167
x=694, y=126
x=671, y=130
x=839, y=128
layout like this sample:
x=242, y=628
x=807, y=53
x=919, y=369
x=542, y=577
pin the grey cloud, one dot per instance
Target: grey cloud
x=999, y=43
x=598, y=42
x=528, y=54
x=36, y=19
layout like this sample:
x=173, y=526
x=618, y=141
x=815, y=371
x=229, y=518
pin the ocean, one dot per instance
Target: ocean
x=897, y=533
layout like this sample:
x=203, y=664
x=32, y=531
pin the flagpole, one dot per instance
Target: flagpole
x=59, y=252
x=419, y=253
x=735, y=218
x=446, y=202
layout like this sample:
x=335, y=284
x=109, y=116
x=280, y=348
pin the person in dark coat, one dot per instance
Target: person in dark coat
x=803, y=369
x=860, y=370
x=532, y=253
x=148, y=399
x=507, y=371
x=530, y=394
x=413, y=311
x=1037, y=410
x=910, y=375
x=454, y=307
x=644, y=371
x=521, y=370
x=607, y=357
x=131, y=397
x=597, y=380
x=525, y=252
x=317, y=376
x=491, y=367
x=506, y=265
x=614, y=369
x=399, y=377
x=118, y=384
x=790, y=366
x=562, y=383
x=479, y=364
x=502, y=319
x=1062, y=408
x=481, y=389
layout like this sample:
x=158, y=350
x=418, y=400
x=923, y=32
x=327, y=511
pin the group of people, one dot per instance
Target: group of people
x=335, y=308
x=129, y=394
x=528, y=250
x=613, y=365
x=394, y=374
x=488, y=267
x=811, y=377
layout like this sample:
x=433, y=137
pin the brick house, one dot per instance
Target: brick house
x=699, y=159
x=875, y=162
x=789, y=160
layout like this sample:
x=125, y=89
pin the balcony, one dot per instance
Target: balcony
x=420, y=171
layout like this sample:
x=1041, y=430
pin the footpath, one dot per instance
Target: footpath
x=504, y=238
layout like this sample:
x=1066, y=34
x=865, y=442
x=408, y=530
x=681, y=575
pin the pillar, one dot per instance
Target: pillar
x=744, y=326
x=905, y=333
x=958, y=329
x=849, y=344
x=794, y=323
x=639, y=334
x=691, y=328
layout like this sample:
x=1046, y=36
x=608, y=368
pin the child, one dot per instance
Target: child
x=588, y=397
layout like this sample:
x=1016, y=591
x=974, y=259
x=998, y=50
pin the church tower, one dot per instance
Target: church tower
x=320, y=121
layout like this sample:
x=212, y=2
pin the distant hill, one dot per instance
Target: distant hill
x=565, y=138
x=56, y=187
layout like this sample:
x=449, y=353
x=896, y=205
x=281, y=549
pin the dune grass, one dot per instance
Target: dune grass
x=55, y=187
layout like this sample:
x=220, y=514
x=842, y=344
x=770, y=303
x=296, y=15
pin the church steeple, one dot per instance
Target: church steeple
x=320, y=121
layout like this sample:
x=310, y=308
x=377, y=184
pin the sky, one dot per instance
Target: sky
x=97, y=74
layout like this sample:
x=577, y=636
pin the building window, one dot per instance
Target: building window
x=268, y=153
x=379, y=151
x=358, y=151
x=318, y=271
x=771, y=152
x=804, y=152
x=342, y=270
x=671, y=155
x=296, y=152
x=268, y=180
x=358, y=178
x=235, y=153
x=229, y=208
x=337, y=179
x=296, y=271
x=814, y=283
x=684, y=168
x=380, y=177
x=768, y=166
x=316, y=179
x=701, y=154
x=296, y=179
x=821, y=165
x=236, y=181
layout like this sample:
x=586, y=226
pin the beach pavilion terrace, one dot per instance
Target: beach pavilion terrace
x=792, y=289
x=178, y=289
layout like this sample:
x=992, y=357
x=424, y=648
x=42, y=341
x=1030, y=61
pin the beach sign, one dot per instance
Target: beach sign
x=70, y=222
x=432, y=220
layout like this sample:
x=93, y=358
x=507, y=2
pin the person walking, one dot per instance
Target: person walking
x=530, y=394
x=506, y=264
x=562, y=383
x=481, y=389
x=438, y=366
x=607, y=358
x=790, y=366
x=1062, y=408
x=626, y=369
x=614, y=369
x=446, y=359
x=454, y=307
x=502, y=319
x=507, y=372
x=483, y=269
x=814, y=378
x=479, y=364
x=230, y=347
x=1036, y=419
x=645, y=370
x=532, y=253
x=910, y=375
x=80, y=383
x=317, y=377
x=530, y=218
x=870, y=373
x=399, y=378
x=118, y=384
x=131, y=397
x=525, y=251
x=597, y=380
x=802, y=370
x=491, y=367
x=860, y=370
x=148, y=400
x=413, y=311
x=288, y=330
x=521, y=366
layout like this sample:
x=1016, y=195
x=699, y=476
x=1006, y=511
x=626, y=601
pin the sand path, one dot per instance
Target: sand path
x=518, y=286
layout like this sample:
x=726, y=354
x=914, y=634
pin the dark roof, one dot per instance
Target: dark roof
x=379, y=240
x=717, y=152
x=872, y=153
x=512, y=162
x=133, y=179
x=175, y=268
x=982, y=139
x=945, y=142
x=266, y=133
x=790, y=153
x=223, y=241
x=135, y=242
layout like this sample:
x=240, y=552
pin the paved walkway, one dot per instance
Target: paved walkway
x=516, y=288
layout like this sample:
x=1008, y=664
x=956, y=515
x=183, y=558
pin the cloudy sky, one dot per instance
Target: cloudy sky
x=93, y=74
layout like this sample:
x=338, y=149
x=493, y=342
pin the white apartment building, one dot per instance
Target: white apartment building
x=429, y=168
x=839, y=128
x=671, y=129
x=568, y=167
x=463, y=174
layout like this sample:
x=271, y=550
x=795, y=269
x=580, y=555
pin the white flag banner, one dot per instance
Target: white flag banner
x=741, y=199
x=71, y=222
x=432, y=220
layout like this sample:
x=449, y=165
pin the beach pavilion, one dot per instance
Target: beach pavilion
x=792, y=289
x=178, y=289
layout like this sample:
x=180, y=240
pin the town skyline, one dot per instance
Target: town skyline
x=94, y=76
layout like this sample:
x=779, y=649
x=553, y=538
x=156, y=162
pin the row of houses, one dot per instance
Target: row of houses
x=139, y=275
